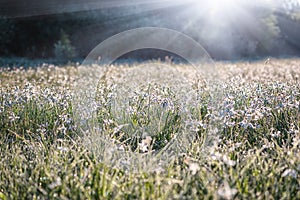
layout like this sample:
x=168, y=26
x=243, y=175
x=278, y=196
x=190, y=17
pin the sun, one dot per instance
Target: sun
x=222, y=4
x=221, y=8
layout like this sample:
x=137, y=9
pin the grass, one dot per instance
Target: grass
x=254, y=152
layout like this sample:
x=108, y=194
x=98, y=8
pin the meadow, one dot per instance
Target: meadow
x=241, y=144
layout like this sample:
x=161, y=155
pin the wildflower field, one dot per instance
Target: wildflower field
x=241, y=144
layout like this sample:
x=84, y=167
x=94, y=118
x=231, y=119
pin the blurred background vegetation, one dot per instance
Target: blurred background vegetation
x=72, y=35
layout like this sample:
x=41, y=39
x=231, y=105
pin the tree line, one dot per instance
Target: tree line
x=269, y=32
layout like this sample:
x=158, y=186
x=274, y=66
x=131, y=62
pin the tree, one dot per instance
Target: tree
x=63, y=49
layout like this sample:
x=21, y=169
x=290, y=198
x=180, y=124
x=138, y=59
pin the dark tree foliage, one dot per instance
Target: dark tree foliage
x=38, y=36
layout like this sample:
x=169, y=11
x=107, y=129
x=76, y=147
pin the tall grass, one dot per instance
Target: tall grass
x=256, y=154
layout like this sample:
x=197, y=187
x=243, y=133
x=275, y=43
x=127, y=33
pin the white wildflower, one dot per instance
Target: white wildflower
x=145, y=144
x=226, y=192
x=194, y=168
x=289, y=172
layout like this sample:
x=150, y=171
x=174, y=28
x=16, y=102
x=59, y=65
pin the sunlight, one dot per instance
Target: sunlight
x=220, y=7
x=221, y=12
x=229, y=8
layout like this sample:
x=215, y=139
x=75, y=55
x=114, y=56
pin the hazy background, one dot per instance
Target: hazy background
x=228, y=29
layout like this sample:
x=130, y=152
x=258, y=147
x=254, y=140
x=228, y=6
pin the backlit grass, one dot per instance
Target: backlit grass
x=255, y=152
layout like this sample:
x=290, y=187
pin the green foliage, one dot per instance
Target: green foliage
x=63, y=49
x=256, y=32
x=7, y=32
x=271, y=34
x=295, y=16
